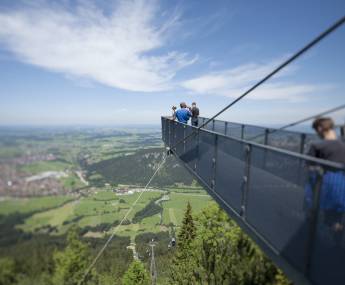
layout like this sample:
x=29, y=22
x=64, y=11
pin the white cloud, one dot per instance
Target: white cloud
x=233, y=82
x=117, y=48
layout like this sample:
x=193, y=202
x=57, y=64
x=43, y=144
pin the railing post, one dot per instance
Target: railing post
x=313, y=218
x=226, y=128
x=245, y=184
x=242, y=132
x=214, y=163
x=301, y=148
x=266, y=136
x=213, y=125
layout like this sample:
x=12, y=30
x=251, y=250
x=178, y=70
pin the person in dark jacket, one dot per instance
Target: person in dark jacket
x=195, y=115
x=330, y=147
x=332, y=192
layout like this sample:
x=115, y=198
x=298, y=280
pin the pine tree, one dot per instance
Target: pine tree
x=183, y=264
x=218, y=258
x=136, y=275
x=187, y=232
x=225, y=255
x=71, y=264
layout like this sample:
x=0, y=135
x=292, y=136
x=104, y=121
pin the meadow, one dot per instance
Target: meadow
x=55, y=215
x=42, y=166
x=31, y=205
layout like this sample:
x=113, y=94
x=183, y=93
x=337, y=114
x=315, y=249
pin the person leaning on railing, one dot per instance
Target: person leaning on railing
x=332, y=195
x=183, y=114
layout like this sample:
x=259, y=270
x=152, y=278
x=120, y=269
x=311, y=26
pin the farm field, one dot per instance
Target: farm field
x=41, y=166
x=55, y=215
x=30, y=205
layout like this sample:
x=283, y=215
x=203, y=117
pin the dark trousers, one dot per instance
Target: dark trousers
x=195, y=122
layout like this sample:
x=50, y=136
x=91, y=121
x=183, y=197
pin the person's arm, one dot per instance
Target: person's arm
x=312, y=151
x=174, y=113
x=189, y=113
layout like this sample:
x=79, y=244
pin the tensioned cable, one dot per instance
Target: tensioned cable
x=123, y=219
x=301, y=121
x=311, y=44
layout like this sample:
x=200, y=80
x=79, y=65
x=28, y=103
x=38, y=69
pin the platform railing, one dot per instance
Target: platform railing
x=277, y=196
x=289, y=140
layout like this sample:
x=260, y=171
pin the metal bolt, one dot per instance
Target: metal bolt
x=243, y=210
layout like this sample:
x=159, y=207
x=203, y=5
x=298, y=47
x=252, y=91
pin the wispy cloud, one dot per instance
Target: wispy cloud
x=233, y=82
x=119, y=48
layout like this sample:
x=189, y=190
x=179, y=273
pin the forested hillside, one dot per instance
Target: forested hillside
x=137, y=168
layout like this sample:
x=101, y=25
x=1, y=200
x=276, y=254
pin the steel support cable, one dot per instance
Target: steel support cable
x=123, y=219
x=308, y=46
x=301, y=121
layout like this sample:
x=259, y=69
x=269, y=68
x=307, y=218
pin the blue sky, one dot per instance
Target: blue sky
x=127, y=62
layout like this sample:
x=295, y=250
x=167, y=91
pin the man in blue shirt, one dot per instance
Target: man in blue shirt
x=183, y=114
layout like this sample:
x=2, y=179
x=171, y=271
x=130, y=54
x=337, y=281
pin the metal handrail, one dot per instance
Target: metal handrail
x=261, y=127
x=310, y=159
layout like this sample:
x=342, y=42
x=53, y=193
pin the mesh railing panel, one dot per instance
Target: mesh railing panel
x=191, y=149
x=166, y=135
x=275, y=204
x=309, y=138
x=287, y=140
x=254, y=133
x=179, y=129
x=230, y=171
x=209, y=126
x=234, y=130
x=206, y=156
x=219, y=127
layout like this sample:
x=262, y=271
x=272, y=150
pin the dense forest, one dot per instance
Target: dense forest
x=211, y=249
x=137, y=169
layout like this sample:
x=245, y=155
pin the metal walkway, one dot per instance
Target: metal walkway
x=263, y=185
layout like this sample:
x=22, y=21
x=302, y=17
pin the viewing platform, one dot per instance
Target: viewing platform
x=274, y=192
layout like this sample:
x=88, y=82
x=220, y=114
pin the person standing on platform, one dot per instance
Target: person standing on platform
x=183, y=114
x=195, y=115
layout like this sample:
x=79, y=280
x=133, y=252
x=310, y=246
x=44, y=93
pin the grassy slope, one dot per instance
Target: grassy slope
x=32, y=205
x=175, y=207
